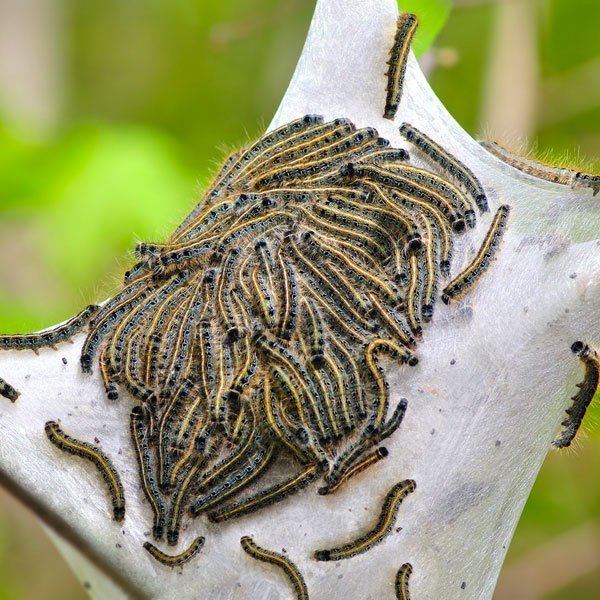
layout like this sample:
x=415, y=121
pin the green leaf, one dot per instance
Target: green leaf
x=432, y=15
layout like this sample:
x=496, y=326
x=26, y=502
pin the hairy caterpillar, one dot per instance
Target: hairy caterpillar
x=382, y=529
x=92, y=453
x=582, y=399
x=290, y=570
x=176, y=560
x=405, y=30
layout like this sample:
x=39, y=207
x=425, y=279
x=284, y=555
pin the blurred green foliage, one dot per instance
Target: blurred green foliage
x=432, y=15
x=158, y=91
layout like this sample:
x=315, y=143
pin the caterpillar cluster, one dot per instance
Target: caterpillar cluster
x=257, y=330
x=259, y=326
x=176, y=560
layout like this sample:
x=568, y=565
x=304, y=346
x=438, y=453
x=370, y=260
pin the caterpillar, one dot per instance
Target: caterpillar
x=8, y=391
x=270, y=495
x=92, y=453
x=256, y=328
x=149, y=484
x=371, y=437
x=406, y=27
x=402, y=582
x=176, y=560
x=482, y=260
x=252, y=468
x=459, y=171
x=290, y=570
x=582, y=399
x=50, y=337
x=382, y=529
x=555, y=174
x=359, y=467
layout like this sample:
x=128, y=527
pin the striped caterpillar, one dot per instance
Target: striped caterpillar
x=402, y=581
x=92, y=453
x=290, y=570
x=381, y=530
x=50, y=337
x=175, y=560
x=556, y=174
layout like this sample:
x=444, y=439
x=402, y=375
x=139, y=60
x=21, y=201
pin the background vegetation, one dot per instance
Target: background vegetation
x=113, y=114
